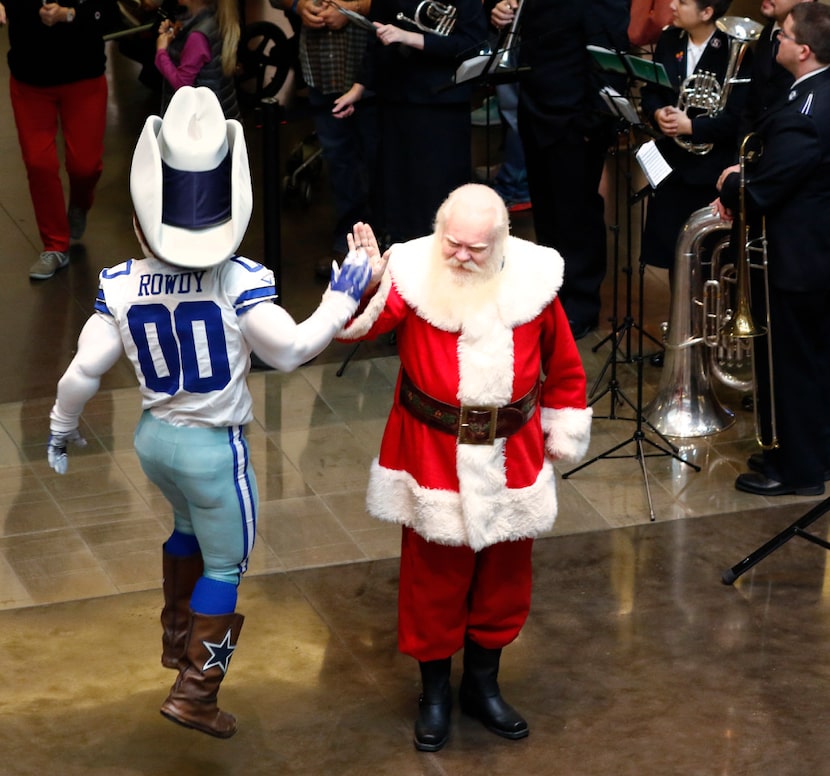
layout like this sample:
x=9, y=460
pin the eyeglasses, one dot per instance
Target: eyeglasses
x=783, y=34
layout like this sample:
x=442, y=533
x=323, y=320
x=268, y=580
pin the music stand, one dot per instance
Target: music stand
x=798, y=528
x=621, y=106
x=638, y=438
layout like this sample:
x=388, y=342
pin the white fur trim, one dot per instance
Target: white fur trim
x=567, y=432
x=474, y=518
x=530, y=278
x=360, y=325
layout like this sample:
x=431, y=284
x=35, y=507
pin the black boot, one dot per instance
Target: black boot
x=480, y=696
x=432, y=728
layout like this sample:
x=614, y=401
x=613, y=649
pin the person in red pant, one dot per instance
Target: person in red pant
x=57, y=61
x=466, y=460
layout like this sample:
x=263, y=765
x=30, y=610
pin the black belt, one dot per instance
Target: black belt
x=471, y=425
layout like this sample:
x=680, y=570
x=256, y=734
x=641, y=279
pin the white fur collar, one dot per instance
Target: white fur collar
x=530, y=279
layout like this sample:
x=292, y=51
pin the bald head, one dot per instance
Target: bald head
x=472, y=225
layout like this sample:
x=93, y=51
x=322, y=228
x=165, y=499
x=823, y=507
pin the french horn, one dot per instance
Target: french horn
x=433, y=17
x=701, y=93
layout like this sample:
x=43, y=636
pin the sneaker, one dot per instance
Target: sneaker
x=48, y=264
x=77, y=222
x=487, y=114
x=517, y=206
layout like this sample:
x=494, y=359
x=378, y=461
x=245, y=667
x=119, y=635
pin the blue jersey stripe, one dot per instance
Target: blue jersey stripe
x=255, y=295
x=244, y=492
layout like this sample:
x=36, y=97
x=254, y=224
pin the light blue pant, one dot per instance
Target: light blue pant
x=206, y=475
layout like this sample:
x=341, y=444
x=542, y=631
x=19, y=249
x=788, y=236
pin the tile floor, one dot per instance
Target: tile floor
x=636, y=660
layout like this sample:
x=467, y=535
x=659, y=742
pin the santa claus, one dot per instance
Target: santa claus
x=490, y=393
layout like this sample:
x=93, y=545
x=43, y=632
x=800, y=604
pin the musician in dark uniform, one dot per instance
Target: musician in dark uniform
x=790, y=185
x=769, y=80
x=424, y=120
x=690, y=47
x=565, y=134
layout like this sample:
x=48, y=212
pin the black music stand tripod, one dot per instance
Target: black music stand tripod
x=628, y=121
x=798, y=528
x=639, y=439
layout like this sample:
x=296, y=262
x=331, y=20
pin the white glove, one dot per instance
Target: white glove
x=56, y=449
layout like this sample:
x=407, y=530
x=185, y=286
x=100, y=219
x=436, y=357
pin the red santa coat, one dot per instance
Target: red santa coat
x=477, y=495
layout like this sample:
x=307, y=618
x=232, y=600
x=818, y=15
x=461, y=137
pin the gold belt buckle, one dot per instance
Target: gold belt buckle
x=475, y=432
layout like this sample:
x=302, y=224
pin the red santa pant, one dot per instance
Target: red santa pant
x=447, y=593
x=80, y=109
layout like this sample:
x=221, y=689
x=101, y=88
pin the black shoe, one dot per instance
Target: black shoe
x=480, y=696
x=494, y=713
x=432, y=727
x=762, y=485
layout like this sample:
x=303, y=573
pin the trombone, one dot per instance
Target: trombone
x=741, y=324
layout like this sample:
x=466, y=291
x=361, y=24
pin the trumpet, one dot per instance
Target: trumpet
x=432, y=16
x=702, y=92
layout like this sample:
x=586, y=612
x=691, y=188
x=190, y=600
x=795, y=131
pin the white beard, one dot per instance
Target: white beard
x=459, y=295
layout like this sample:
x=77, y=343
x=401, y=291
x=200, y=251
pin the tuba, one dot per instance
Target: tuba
x=711, y=328
x=431, y=16
x=702, y=93
x=685, y=404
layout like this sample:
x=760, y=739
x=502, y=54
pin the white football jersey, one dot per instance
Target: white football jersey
x=180, y=329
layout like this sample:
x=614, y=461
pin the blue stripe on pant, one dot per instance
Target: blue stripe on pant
x=206, y=475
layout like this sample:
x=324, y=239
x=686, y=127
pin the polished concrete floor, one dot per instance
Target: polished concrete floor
x=636, y=658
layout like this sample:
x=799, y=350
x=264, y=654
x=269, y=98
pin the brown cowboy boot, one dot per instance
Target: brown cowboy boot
x=211, y=641
x=180, y=577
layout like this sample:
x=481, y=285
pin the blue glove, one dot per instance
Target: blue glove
x=354, y=276
x=56, y=449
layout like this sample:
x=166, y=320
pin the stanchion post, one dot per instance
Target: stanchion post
x=272, y=207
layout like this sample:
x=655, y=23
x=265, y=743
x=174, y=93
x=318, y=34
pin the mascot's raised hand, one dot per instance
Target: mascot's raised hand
x=353, y=276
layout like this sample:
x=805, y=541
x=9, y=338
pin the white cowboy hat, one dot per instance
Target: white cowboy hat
x=190, y=181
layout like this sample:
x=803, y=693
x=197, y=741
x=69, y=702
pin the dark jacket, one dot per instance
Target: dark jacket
x=405, y=74
x=61, y=54
x=720, y=129
x=560, y=88
x=770, y=82
x=790, y=185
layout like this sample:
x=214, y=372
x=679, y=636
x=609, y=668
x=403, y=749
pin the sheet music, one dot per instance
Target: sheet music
x=619, y=105
x=473, y=67
x=653, y=163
